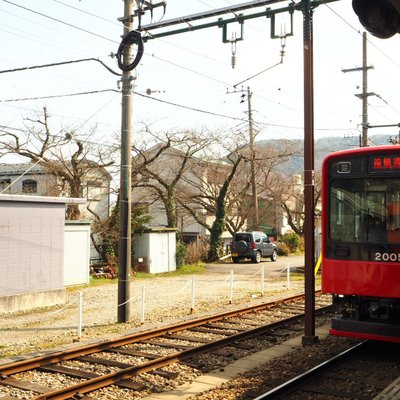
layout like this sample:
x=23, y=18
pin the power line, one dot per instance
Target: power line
x=87, y=13
x=58, y=95
x=190, y=70
x=171, y=104
x=191, y=108
x=59, y=21
x=60, y=63
x=359, y=33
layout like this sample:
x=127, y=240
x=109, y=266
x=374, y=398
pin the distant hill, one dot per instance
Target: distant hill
x=322, y=147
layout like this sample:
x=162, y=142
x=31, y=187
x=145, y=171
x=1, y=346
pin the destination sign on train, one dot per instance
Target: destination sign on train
x=388, y=163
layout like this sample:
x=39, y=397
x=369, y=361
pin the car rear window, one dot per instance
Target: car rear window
x=243, y=236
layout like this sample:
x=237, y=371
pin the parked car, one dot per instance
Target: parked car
x=253, y=245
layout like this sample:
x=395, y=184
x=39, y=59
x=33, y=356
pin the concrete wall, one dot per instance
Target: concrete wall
x=31, y=251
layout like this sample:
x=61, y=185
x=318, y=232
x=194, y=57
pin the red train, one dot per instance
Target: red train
x=361, y=241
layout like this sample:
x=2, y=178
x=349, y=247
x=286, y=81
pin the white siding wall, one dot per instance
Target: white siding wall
x=76, y=253
x=158, y=248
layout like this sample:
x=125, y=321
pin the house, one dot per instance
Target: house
x=191, y=178
x=200, y=180
x=34, y=179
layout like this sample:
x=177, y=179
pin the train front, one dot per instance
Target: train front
x=361, y=241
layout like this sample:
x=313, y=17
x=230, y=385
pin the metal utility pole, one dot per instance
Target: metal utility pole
x=256, y=221
x=364, y=95
x=309, y=224
x=124, y=251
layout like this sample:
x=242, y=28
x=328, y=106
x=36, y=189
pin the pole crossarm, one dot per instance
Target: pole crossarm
x=357, y=69
x=384, y=126
x=208, y=14
x=238, y=18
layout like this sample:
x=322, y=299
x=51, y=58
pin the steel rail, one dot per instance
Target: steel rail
x=31, y=363
x=126, y=373
x=293, y=383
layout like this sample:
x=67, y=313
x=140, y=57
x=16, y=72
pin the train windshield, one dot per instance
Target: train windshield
x=365, y=210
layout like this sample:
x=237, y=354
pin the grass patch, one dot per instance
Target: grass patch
x=198, y=268
x=191, y=269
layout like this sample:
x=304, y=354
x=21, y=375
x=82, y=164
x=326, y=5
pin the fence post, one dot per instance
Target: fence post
x=231, y=288
x=80, y=312
x=143, y=305
x=262, y=281
x=288, y=276
x=193, y=293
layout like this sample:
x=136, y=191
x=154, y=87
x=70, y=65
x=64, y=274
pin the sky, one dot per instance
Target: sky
x=190, y=75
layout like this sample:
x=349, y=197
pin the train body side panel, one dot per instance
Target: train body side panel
x=361, y=278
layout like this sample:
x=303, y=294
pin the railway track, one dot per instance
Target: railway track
x=361, y=372
x=128, y=362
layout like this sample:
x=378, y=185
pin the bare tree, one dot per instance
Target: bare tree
x=105, y=232
x=289, y=195
x=64, y=155
x=158, y=172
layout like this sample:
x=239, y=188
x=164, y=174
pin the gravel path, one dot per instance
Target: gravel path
x=167, y=299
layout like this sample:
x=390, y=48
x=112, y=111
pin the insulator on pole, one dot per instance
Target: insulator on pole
x=233, y=47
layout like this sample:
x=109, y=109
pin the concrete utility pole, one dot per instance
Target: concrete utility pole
x=256, y=220
x=364, y=95
x=124, y=251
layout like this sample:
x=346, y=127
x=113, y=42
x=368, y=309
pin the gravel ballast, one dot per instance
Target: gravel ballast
x=167, y=300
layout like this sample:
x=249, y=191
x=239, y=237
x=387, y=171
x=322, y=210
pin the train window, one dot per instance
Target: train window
x=364, y=210
x=393, y=221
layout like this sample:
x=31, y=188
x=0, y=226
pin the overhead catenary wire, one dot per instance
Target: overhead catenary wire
x=59, y=21
x=220, y=82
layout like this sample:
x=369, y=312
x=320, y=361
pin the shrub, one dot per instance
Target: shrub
x=196, y=252
x=180, y=253
x=283, y=249
x=292, y=240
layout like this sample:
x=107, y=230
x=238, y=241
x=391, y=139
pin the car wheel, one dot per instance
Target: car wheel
x=257, y=257
x=274, y=255
x=235, y=259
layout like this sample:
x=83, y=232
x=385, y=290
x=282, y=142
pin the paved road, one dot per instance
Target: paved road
x=249, y=268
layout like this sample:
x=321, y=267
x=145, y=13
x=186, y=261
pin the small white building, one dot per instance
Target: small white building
x=32, y=251
x=76, y=253
x=154, y=251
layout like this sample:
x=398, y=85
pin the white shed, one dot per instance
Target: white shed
x=154, y=251
x=76, y=252
x=32, y=251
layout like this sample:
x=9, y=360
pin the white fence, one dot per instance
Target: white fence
x=152, y=302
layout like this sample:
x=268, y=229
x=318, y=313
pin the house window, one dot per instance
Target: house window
x=94, y=191
x=4, y=184
x=29, y=186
